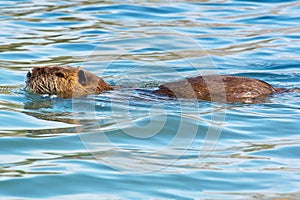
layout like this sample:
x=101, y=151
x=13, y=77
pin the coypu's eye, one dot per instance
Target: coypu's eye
x=59, y=74
x=28, y=75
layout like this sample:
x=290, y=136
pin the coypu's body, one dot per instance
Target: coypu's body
x=221, y=88
x=67, y=82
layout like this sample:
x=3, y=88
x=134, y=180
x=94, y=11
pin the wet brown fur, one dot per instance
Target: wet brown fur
x=220, y=88
x=67, y=82
x=64, y=81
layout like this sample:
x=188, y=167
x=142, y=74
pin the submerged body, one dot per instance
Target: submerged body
x=221, y=88
x=68, y=82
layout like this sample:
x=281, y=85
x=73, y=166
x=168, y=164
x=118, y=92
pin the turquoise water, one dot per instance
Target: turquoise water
x=129, y=144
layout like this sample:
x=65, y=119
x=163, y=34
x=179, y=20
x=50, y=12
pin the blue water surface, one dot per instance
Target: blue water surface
x=128, y=143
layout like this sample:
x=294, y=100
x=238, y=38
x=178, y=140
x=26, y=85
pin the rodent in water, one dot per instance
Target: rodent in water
x=67, y=82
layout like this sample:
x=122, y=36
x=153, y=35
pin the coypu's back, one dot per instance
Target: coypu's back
x=222, y=88
x=64, y=81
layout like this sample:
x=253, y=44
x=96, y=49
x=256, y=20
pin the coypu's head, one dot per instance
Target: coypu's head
x=64, y=81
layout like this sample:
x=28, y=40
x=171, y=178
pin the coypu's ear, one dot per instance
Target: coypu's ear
x=82, y=77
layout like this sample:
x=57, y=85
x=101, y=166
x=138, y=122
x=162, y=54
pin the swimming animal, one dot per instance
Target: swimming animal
x=68, y=82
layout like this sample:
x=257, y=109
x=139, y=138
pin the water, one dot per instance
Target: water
x=128, y=144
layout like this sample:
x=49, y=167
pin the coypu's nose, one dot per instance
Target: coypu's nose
x=29, y=74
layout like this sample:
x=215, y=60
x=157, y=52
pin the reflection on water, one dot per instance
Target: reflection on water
x=129, y=143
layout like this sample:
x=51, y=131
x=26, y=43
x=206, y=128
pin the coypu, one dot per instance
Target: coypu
x=67, y=82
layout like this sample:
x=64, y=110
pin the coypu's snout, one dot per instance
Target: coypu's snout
x=28, y=74
x=64, y=81
x=51, y=80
